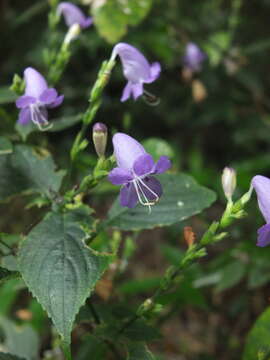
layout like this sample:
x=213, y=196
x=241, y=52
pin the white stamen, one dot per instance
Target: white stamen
x=139, y=184
x=37, y=116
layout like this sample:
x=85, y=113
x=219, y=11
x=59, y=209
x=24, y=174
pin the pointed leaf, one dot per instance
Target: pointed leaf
x=258, y=339
x=26, y=170
x=138, y=351
x=59, y=269
x=6, y=356
x=182, y=197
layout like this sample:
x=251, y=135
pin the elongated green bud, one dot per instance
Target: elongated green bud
x=100, y=133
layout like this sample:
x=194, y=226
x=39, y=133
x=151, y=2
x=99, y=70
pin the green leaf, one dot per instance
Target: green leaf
x=231, y=275
x=158, y=147
x=59, y=269
x=66, y=122
x=113, y=17
x=258, y=338
x=92, y=348
x=26, y=170
x=7, y=275
x=140, y=331
x=20, y=340
x=6, y=356
x=182, y=197
x=5, y=146
x=138, y=351
x=58, y=124
x=6, y=95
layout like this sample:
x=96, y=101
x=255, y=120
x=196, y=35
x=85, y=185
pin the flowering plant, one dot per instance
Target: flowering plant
x=106, y=202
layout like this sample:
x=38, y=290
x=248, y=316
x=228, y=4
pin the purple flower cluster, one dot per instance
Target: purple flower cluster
x=134, y=171
x=37, y=98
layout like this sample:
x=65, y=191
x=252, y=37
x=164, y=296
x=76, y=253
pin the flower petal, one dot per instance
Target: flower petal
x=143, y=165
x=73, y=14
x=48, y=96
x=126, y=92
x=24, y=116
x=137, y=90
x=119, y=176
x=128, y=196
x=162, y=165
x=155, y=71
x=264, y=235
x=35, y=83
x=24, y=101
x=126, y=150
x=193, y=57
x=154, y=185
x=135, y=66
x=57, y=102
x=261, y=185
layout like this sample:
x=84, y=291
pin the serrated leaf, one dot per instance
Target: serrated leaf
x=20, y=340
x=182, y=197
x=6, y=356
x=59, y=269
x=139, y=351
x=25, y=170
x=258, y=338
x=113, y=17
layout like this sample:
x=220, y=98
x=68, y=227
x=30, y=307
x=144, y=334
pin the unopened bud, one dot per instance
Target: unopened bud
x=199, y=91
x=100, y=133
x=72, y=34
x=228, y=180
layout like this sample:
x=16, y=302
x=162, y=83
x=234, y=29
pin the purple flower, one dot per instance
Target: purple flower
x=36, y=99
x=73, y=15
x=193, y=57
x=261, y=185
x=134, y=170
x=137, y=70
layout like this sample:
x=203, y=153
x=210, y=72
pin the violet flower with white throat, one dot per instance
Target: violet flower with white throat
x=35, y=101
x=137, y=70
x=134, y=171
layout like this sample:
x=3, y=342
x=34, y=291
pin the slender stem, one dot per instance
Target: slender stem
x=94, y=312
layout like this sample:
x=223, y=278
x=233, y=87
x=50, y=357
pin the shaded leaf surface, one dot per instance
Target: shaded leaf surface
x=6, y=356
x=139, y=351
x=182, y=197
x=20, y=340
x=25, y=170
x=113, y=17
x=258, y=338
x=60, y=270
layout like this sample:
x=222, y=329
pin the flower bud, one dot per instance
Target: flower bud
x=228, y=180
x=199, y=91
x=100, y=133
x=72, y=34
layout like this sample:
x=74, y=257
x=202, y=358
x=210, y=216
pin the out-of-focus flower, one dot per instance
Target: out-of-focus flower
x=261, y=184
x=36, y=99
x=134, y=170
x=193, y=57
x=73, y=15
x=100, y=133
x=228, y=180
x=136, y=68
